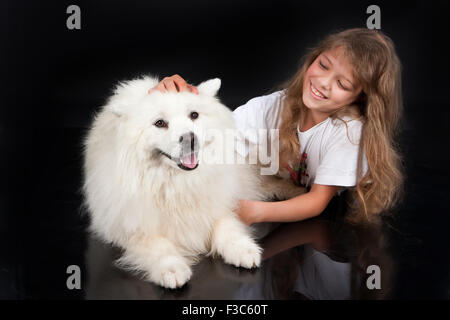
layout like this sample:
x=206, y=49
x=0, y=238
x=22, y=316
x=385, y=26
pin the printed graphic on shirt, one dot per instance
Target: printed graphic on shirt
x=298, y=172
x=304, y=177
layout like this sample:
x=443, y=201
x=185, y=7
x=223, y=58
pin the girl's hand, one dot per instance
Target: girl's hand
x=249, y=211
x=174, y=83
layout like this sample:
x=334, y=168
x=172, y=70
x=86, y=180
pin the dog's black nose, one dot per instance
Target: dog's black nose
x=187, y=137
x=189, y=142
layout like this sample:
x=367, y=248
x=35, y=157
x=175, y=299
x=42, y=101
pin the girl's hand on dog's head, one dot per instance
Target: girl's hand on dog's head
x=174, y=83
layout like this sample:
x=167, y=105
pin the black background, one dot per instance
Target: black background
x=53, y=79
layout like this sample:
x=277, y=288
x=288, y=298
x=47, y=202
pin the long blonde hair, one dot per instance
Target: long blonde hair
x=379, y=106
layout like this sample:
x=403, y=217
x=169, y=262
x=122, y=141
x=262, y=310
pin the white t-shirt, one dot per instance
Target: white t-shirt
x=329, y=156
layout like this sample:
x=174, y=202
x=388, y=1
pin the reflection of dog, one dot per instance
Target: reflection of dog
x=147, y=191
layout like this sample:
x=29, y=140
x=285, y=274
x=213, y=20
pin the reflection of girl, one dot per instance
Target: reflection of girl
x=316, y=259
x=337, y=119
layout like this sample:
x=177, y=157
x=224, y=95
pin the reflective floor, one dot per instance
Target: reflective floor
x=43, y=233
x=314, y=259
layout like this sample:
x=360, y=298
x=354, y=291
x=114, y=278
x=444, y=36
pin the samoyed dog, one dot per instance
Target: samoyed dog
x=148, y=190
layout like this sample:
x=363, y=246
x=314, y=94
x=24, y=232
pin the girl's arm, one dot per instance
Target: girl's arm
x=302, y=207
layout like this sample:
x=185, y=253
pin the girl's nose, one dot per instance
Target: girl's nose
x=325, y=84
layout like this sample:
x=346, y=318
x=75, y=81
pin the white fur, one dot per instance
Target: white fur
x=162, y=216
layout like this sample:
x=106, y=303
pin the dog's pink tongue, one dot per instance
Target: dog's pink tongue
x=190, y=160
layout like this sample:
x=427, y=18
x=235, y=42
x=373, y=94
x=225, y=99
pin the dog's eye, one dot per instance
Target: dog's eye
x=194, y=115
x=160, y=124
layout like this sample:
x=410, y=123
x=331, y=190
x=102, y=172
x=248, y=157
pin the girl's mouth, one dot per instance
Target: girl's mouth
x=316, y=93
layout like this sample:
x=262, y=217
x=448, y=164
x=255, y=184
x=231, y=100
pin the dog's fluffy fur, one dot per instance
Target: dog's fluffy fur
x=139, y=199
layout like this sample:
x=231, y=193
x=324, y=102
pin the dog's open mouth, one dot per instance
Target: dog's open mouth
x=186, y=162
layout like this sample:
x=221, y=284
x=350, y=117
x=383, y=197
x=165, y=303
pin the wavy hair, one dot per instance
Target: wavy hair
x=377, y=68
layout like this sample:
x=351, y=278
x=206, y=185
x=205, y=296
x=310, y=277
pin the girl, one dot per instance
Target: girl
x=337, y=119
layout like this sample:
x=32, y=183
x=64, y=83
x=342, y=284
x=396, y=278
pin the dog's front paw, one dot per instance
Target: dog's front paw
x=243, y=252
x=171, y=272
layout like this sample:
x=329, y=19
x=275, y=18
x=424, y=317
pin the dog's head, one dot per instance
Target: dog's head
x=170, y=128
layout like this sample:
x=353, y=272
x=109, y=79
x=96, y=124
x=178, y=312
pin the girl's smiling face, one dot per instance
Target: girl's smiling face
x=329, y=83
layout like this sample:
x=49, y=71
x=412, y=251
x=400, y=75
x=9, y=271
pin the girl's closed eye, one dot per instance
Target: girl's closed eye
x=326, y=68
x=342, y=86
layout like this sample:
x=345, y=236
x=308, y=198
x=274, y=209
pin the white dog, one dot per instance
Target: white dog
x=148, y=191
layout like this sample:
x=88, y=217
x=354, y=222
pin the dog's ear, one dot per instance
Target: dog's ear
x=209, y=87
x=115, y=106
x=127, y=93
x=116, y=103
